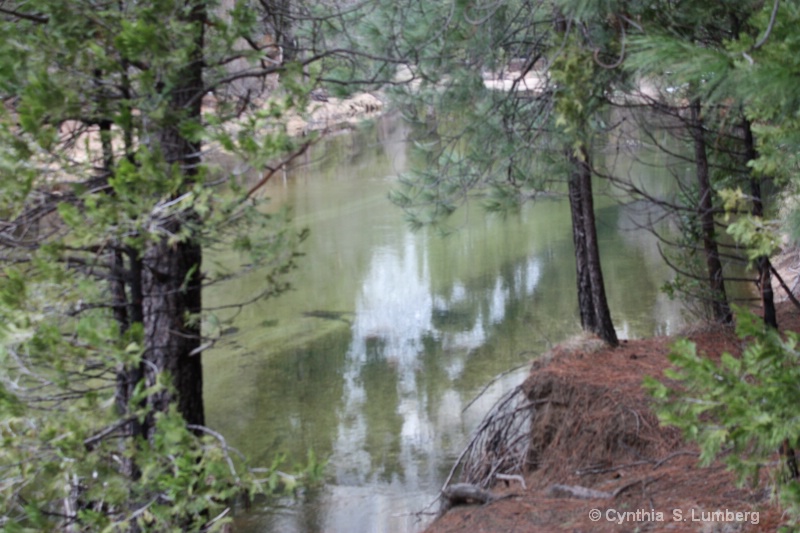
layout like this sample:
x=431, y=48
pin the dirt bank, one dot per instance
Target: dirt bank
x=334, y=113
x=593, y=429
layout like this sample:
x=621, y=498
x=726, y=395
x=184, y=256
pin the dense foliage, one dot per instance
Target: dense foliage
x=741, y=409
x=118, y=123
x=741, y=66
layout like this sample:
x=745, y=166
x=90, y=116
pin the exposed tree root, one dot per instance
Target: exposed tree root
x=501, y=443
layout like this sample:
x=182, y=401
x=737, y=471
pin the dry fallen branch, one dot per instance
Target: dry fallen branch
x=584, y=493
x=605, y=470
x=467, y=494
x=789, y=292
x=464, y=493
x=576, y=491
x=517, y=478
x=656, y=464
x=672, y=456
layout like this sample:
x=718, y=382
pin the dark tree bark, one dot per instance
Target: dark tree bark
x=605, y=327
x=171, y=276
x=595, y=314
x=585, y=304
x=127, y=375
x=125, y=314
x=705, y=210
x=763, y=262
x=172, y=291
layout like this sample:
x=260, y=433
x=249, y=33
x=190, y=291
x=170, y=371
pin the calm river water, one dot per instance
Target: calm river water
x=387, y=334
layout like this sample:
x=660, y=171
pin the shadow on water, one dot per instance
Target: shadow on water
x=388, y=334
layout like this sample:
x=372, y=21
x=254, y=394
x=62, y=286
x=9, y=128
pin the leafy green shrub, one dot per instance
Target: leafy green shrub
x=742, y=410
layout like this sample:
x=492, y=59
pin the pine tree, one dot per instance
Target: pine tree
x=510, y=142
x=689, y=48
x=112, y=115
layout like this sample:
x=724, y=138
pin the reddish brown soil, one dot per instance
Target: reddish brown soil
x=597, y=417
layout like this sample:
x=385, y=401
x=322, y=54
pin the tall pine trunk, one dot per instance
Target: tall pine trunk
x=585, y=305
x=595, y=314
x=762, y=262
x=172, y=292
x=705, y=211
x=171, y=276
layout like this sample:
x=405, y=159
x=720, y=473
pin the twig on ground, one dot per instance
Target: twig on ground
x=656, y=464
x=584, y=493
x=576, y=491
x=672, y=456
x=598, y=470
x=514, y=477
x=468, y=494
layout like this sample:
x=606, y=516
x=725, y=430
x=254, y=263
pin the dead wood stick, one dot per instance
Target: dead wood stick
x=785, y=287
x=672, y=456
x=576, y=491
x=656, y=464
x=91, y=441
x=272, y=170
x=464, y=493
x=512, y=477
x=587, y=471
x=585, y=493
x=625, y=487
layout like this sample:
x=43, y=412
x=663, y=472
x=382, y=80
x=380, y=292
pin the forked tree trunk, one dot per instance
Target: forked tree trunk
x=705, y=211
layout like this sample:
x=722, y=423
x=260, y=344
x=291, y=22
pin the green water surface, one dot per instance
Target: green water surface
x=388, y=334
